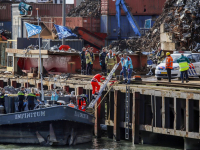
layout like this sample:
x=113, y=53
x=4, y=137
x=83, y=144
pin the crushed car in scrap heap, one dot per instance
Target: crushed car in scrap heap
x=179, y=17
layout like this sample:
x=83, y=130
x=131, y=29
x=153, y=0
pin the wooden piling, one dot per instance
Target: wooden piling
x=137, y=117
x=163, y=112
x=133, y=119
x=116, y=128
x=97, y=128
x=175, y=115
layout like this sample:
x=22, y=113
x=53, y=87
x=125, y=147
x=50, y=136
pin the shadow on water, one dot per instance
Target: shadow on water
x=96, y=144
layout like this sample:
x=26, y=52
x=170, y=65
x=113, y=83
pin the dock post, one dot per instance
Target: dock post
x=14, y=84
x=116, y=128
x=133, y=119
x=1, y=84
x=79, y=90
x=66, y=88
x=137, y=117
x=97, y=129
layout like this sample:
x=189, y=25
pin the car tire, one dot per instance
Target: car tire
x=179, y=79
x=158, y=78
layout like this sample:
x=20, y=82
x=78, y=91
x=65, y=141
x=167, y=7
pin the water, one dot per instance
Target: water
x=96, y=144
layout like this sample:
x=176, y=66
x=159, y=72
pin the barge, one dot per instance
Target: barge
x=56, y=125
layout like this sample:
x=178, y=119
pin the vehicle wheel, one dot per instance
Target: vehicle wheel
x=179, y=79
x=158, y=78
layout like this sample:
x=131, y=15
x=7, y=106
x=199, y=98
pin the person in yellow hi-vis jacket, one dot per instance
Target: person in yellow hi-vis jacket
x=110, y=61
x=93, y=58
x=88, y=62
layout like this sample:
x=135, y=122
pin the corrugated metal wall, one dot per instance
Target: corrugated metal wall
x=137, y=7
x=51, y=10
x=109, y=26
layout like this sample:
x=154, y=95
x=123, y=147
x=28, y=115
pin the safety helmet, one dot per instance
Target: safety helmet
x=168, y=53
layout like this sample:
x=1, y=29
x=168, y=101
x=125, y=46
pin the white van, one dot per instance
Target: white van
x=193, y=71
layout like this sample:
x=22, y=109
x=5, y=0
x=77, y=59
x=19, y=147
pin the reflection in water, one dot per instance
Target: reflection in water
x=96, y=144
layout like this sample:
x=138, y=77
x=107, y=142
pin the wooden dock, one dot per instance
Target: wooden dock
x=153, y=111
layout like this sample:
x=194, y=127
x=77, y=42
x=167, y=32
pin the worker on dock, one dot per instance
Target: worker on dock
x=55, y=96
x=81, y=103
x=93, y=58
x=2, y=100
x=184, y=66
x=128, y=66
x=88, y=62
x=21, y=98
x=169, y=65
x=30, y=98
x=111, y=60
x=102, y=57
x=160, y=56
x=83, y=61
x=122, y=62
x=95, y=83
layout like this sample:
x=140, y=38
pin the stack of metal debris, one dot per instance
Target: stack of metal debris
x=181, y=18
x=86, y=9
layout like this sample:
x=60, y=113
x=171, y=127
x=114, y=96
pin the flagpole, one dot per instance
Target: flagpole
x=42, y=92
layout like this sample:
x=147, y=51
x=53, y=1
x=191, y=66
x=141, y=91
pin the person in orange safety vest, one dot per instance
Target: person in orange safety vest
x=81, y=103
x=169, y=65
x=95, y=83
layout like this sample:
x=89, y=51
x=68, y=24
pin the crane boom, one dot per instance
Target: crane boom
x=132, y=21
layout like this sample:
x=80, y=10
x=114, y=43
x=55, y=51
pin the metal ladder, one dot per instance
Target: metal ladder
x=127, y=112
x=93, y=102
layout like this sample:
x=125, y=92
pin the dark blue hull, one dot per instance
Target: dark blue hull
x=58, y=125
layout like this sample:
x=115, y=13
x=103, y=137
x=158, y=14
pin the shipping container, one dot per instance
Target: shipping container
x=5, y=12
x=89, y=23
x=137, y=7
x=49, y=10
x=109, y=26
x=6, y=25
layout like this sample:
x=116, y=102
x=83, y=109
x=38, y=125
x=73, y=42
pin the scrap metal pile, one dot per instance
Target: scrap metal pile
x=86, y=9
x=180, y=17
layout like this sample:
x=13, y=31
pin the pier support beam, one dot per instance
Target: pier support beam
x=116, y=128
x=137, y=117
x=1, y=84
x=97, y=128
x=133, y=119
x=14, y=84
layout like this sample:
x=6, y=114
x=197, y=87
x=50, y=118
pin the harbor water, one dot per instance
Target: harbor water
x=96, y=144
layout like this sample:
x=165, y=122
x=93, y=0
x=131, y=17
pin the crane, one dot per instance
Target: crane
x=132, y=21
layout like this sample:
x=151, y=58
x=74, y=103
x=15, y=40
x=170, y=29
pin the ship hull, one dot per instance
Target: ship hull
x=60, y=125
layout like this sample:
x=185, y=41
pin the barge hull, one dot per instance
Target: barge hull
x=63, y=131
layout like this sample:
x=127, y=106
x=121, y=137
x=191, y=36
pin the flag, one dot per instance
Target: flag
x=63, y=32
x=32, y=29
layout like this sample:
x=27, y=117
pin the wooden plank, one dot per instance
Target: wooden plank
x=116, y=128
x=133, y=118
x=175, y=114
x=21, y=51
x=163, y=112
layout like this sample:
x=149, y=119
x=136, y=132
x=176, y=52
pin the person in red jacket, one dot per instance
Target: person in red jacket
x=95, y=82
x=81, y=103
